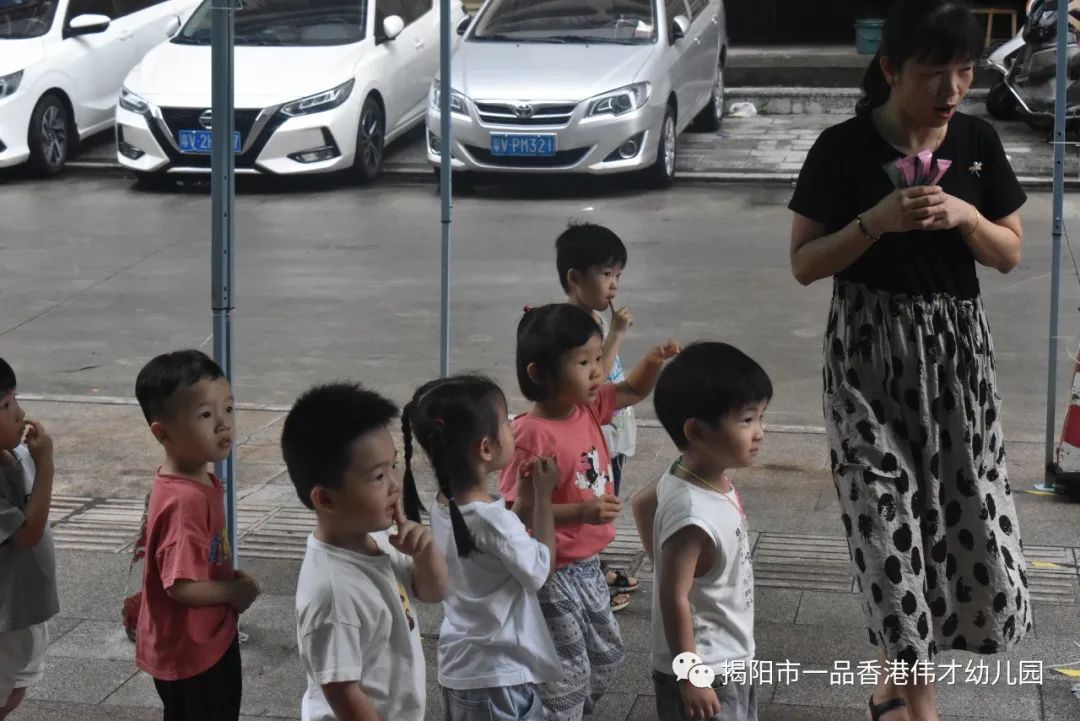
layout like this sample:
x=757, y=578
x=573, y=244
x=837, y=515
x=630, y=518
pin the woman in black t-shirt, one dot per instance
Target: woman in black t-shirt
x=910, y=393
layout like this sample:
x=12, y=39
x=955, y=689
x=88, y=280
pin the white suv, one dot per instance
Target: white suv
x=62, y=63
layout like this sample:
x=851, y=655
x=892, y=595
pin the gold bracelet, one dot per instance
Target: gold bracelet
x=978, y=219
x=862, y=229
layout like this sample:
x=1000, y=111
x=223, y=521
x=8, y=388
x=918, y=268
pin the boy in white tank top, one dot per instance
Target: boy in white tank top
x=711, y=400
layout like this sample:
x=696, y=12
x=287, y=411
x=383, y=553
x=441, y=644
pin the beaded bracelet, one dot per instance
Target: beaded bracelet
x=862, y=229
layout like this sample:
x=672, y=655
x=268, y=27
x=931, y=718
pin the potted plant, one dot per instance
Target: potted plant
x=868, y=24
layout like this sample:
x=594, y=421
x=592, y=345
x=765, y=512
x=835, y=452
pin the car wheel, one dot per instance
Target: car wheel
x=713, y=115
x=154, y=181
x=49, y=136
x=370, y=136
x=1001, y=103
x=662, y=172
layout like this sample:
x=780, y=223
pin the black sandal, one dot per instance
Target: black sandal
x=621, y=584
x=877, y=710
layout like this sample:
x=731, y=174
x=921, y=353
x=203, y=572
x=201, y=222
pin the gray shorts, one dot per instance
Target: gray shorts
x=22, y=658
x=738, y=702
x=505, y=703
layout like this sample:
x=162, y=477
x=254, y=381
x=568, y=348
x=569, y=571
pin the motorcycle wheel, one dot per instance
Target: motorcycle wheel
x=1000, y=102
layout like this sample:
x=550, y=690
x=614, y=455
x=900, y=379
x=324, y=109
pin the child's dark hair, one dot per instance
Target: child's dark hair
x=160, y=379
x=584, y=245
x=448, y=417
x=7, y=378
x=320, y=429
x=934, y=32
x=706, y=382
x=544, y=336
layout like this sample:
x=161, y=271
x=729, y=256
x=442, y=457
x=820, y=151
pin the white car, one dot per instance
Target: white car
x=320, y=86
x=582, y=86
x=62, y=63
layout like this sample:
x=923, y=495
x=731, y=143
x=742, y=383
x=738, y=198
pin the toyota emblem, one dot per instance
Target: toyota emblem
x=205, y=118
x=524, y=111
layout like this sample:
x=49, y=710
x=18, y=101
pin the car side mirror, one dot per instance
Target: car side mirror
x=172, y=27
x=680, y=26
x=463, y=25
x=88, y=24
x=392, y=27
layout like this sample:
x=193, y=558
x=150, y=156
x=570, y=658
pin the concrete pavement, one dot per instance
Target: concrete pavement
x=99, y=277
x=806, y=611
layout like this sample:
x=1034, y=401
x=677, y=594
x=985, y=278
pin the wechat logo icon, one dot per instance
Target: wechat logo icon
x=688, y=667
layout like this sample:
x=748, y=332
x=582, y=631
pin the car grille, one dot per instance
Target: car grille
x=178, y=119
x=543, y=114
x=561, y=159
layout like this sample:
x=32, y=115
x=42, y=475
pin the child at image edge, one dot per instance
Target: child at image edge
x=711, y=400
x=356, y=630
x=187, y=635
x=28, y=597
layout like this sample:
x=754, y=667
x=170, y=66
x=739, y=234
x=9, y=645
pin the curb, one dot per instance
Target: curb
x=279, y=408
x=412, y=173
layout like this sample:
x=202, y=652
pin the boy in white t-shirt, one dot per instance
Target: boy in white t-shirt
x=711, y=400
x=357, y=632
x=590, y=259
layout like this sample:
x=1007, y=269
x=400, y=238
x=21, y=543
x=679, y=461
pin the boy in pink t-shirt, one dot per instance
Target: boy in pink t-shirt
x=187, y=628
x=559, y=368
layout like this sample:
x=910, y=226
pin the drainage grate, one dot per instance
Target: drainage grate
x=63, y=507
x=810, y=563
x=1053, y=585
x=111, y=524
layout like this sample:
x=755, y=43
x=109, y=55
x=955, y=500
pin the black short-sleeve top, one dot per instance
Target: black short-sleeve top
x=843, y=176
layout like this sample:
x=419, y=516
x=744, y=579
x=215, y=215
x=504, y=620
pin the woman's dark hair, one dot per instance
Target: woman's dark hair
x=448, y=417
x=934, y=32
x=544, y=336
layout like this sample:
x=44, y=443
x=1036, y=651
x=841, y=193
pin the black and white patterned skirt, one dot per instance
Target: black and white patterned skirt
x=913, y=420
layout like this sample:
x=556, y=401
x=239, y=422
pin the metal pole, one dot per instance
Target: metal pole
x=445, y=176
x=223, y=193
x=1060, y=101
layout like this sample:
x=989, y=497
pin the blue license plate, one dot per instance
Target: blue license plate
x=199, y=141
x=535, y=146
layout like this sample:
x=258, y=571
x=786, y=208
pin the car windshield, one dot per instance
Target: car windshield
x=284, y=22
x=26, y=18
x=568, y=21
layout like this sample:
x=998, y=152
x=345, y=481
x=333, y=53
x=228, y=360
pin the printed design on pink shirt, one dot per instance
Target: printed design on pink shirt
x=220, y=551
x=592, y=477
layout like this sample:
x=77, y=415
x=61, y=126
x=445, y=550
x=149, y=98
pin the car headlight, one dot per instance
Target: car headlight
x=617, y=102
x=457, y=100
x=10, y=83
x=319, y=102
x=131, y=101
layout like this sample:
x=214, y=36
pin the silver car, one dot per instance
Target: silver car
x=582, y=86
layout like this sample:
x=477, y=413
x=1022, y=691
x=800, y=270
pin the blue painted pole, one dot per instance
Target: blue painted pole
x=1060, y=102
x=223, y=195
x=444, y=130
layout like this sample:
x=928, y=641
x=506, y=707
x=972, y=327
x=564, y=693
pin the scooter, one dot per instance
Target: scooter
x=1027, y=65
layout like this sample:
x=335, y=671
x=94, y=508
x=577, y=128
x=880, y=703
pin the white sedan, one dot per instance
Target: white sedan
x=61, y=66
x=321, y=86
